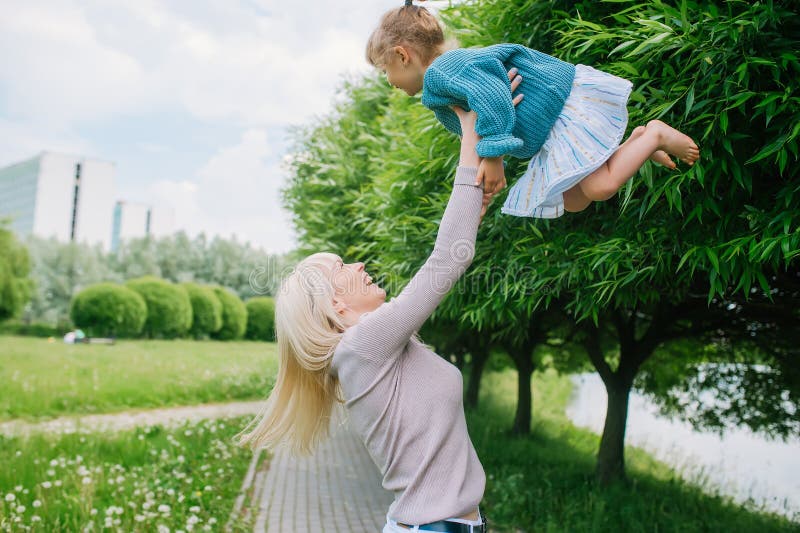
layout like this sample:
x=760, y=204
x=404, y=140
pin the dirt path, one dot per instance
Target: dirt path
x=128, y=419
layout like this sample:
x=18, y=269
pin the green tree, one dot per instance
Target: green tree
x=260, y=318
x=206, y=309
x=169, y=309
x=108, y=309
x=15, y=285
x=627, y=271
x=234, y=315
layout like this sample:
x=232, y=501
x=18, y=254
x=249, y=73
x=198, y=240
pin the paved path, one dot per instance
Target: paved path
x=129, y=419
x=337, y=490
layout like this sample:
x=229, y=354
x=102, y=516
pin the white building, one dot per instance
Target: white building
x=134, y=220
x=62, y=196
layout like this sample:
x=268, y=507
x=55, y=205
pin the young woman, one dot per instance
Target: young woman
x=339, y=340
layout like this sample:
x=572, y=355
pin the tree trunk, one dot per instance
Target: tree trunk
x=479, y=358
x=611, y=457
x=522, y=418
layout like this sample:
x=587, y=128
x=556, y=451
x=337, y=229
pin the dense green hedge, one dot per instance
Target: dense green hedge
x=261, y=318
x=206, y=310
x=107, y=309
x=234, y=315
x=169, y=309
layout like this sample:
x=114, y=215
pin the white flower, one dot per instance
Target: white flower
x=21, y=509
x=10, y=497
x=37, y=503
x=194, y=509
x=86, y=481
x=208, y=488
x=139, y=518
x=162, y=528
x=51, y=472
x=46, y=484
x=57, y=483
x=192, y=519
x=53, y=462
x=212, y=520
x=20, y=453
x=18, y=488
x=93, y=512
x=163, y=508
x=36, y=518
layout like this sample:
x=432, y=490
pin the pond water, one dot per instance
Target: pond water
x=741, y=464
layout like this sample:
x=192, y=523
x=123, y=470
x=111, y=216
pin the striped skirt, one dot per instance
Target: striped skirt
x=586, y=133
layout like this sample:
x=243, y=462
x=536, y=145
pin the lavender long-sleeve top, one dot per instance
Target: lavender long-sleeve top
x=403, y=400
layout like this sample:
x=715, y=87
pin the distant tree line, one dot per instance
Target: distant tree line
x=59, y=271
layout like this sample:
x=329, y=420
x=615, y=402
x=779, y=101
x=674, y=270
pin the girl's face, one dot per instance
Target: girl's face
x=404, y=70
x=354, y=288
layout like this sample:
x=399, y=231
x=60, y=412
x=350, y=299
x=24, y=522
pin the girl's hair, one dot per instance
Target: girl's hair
x=408, y=25
x=308, y=329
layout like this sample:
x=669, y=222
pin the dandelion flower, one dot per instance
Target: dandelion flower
x=10, y=497
x=37, y=503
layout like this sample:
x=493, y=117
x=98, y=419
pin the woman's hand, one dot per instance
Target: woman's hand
x=490, y=168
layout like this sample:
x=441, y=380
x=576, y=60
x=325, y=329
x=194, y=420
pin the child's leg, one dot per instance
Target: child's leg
x=575, y=200
x=642, y=145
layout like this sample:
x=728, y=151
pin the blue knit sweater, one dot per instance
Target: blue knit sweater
x=476, y=79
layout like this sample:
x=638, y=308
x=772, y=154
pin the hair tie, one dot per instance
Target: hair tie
x=409, y=2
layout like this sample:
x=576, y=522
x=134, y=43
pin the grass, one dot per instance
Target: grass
x=544, y=482
x=42, y=379
x=147, y=479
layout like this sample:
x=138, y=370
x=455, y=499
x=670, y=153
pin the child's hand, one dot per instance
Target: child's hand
x=492, y=174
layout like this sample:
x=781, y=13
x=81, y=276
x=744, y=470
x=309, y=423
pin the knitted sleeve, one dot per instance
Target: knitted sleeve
x=488, y=93
x=385, y=331
x=438, y=97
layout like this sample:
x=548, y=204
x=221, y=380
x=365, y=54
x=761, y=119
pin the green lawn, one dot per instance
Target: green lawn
x=538, y=483
x=147, y=479
x=544, y=482
x=42, y=379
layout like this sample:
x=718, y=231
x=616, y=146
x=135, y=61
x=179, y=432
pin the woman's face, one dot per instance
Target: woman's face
x=354, y=288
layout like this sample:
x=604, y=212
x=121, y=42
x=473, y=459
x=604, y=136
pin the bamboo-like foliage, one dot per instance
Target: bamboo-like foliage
x=373, y=180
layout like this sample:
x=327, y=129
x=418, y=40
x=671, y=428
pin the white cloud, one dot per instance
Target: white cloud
x=235, y=192
x=253, y=65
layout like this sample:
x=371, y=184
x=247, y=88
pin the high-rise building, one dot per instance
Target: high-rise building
x=135, y=220
x=62, y=196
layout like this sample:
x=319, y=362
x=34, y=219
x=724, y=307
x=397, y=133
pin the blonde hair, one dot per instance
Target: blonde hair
x=410, y=25
x=308, y=329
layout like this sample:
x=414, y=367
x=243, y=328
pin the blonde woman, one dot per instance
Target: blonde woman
x=339, y=340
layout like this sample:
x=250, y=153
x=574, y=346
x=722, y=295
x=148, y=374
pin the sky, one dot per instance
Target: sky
x=191, y=100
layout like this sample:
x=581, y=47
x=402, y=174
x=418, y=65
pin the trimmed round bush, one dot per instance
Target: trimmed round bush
x=234, y=315
x=108, y=310
x=260, y=319
x=206, y=309
x=169, y=310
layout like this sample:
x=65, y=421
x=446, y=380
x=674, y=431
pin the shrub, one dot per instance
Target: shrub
x=108, y=309
x=169, y=310
x=261, y=318
x=234, y=315
x=206, y=309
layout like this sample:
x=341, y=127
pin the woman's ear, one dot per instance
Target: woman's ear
x=339, y=306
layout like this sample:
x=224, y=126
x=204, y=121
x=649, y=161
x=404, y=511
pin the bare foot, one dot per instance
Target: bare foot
x=674, y=142
x=661, y=157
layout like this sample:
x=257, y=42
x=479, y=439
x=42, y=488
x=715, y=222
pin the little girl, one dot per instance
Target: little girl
x=570, y=122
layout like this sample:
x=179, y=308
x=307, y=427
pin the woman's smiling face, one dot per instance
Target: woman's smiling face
x=354, y=288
